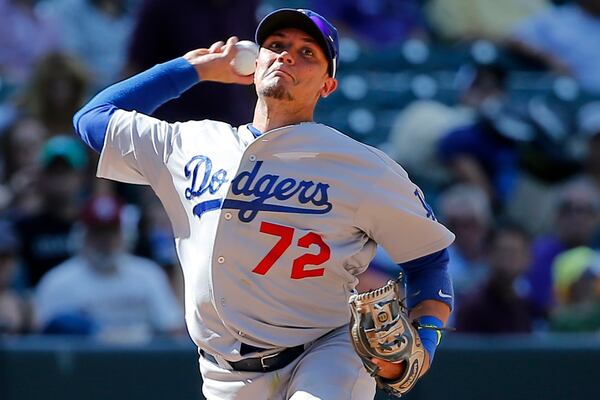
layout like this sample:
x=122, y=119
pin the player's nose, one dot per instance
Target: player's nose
x=285, y=57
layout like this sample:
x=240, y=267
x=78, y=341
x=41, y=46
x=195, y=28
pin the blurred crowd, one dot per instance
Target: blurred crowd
x=517, y=182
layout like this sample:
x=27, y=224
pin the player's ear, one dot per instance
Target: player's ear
x=329, y=86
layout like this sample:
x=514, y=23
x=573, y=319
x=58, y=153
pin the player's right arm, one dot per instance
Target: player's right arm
x=145, y=92
x=214, y=63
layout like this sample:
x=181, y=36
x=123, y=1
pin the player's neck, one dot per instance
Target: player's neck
x=273, y=115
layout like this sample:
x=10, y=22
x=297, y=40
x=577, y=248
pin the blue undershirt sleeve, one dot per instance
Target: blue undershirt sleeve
x=144, y=93
x=427, y=278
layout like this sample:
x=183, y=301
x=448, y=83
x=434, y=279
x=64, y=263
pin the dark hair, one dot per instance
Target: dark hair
x=37, y=97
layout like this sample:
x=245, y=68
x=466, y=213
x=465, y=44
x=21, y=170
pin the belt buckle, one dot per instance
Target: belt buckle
x=263, y=358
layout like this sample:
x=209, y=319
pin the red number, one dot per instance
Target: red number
x=286, y=235
x=298, y=271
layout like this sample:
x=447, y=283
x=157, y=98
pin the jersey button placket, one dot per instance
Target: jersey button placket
x=227, y=216
x=221, y=260
x=252, y=158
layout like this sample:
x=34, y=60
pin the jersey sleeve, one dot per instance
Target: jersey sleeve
x=395, y=214
x=136, y=148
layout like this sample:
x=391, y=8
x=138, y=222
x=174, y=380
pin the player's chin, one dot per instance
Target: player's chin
x=275, y=90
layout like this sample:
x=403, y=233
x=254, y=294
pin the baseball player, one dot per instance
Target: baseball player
x=274, y=220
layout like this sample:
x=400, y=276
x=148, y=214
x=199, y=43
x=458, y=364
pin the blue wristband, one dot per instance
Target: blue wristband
x=429, y=330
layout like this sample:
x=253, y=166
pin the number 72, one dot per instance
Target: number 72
x=286, y=236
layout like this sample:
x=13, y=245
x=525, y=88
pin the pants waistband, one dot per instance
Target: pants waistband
x=268, y=363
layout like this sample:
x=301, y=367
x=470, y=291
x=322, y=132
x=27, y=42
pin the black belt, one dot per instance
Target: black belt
x=268, y=363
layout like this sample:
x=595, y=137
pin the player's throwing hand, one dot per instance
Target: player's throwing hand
x=214, y=63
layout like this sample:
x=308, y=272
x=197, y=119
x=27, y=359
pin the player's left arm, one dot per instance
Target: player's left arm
x=395, y=214
x=430, y=299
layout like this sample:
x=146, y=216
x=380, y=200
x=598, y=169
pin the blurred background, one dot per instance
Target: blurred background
x=493, y=108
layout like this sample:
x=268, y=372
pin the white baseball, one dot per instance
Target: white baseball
x=244, y=61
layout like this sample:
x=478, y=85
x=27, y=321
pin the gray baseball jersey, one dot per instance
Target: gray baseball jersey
x=271, y=232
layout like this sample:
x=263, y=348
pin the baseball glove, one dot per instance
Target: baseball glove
x=380, y=328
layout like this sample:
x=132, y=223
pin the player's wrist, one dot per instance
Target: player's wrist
x=182, y=74
x=193, y=59
x=429, y=329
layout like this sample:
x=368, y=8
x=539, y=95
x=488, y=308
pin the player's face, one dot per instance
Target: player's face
x=292, y=67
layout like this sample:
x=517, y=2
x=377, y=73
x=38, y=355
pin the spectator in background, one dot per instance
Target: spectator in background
x=426, y=122
x=374, y=23
x=104, y=291
x=484, y=153
x=20, y=149
x=576, y=220
x=156, y=236
x=466, y=211
x=55, y=92
x=588, y=122
x=14, y=310
x=499, y=306
x=576, y=276
x=22, y=143
x=47, y=236
x=561, y=37
x=589, y=127
x=97, y=32
x=475, y=19
x=156, y=240
x=26, y=35
x=166, y=29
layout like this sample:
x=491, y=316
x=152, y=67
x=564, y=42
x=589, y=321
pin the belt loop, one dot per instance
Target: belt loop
x=223, y=363
x=263, y=358
x=220, y=361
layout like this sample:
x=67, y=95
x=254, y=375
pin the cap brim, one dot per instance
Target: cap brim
x=290, y=18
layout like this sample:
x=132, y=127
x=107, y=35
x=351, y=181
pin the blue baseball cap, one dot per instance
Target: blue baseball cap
x=307, y=21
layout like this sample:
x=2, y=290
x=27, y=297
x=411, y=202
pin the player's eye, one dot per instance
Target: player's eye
x=307, y=52
x=276, y=46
